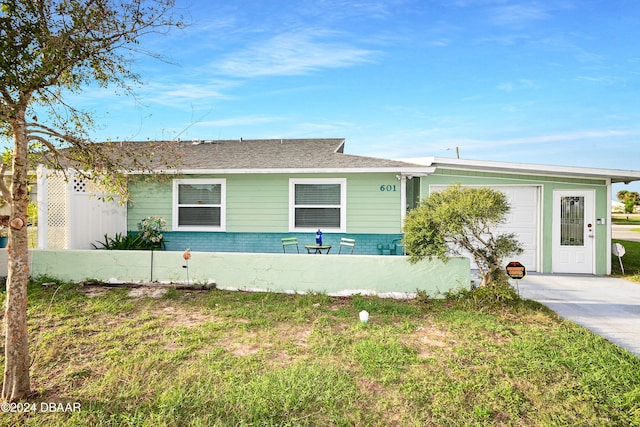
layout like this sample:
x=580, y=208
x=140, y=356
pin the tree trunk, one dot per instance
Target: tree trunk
x=487, y=280
x=16, y=384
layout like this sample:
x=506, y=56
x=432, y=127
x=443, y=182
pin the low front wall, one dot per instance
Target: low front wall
x=331, y=274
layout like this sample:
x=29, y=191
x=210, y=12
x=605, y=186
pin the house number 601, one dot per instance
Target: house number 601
x=387, y=188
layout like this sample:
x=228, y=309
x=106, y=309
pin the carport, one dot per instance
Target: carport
x=560, y=214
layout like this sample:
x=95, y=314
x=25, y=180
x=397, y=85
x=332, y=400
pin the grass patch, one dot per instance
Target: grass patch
x=222, y=358
x=626, y=219
x=630, y=261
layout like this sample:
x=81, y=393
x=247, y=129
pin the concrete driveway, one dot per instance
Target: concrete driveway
x=607, y=306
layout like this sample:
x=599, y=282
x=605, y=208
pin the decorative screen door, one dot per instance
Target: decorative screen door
x=573, y=232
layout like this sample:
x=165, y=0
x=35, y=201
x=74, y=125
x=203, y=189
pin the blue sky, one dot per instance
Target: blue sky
x=551, y=82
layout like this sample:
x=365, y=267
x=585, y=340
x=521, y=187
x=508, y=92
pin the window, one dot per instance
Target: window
x=199, y=204
x=317, y=203
x=572, y=221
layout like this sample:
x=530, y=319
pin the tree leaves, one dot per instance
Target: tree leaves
x=48, y=49
x=462, y=219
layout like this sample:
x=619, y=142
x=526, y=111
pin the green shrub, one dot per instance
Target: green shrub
x=122, y=242
x=497, y=296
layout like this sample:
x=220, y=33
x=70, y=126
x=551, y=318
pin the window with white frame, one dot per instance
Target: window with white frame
x=317, y=204
x=199, y=204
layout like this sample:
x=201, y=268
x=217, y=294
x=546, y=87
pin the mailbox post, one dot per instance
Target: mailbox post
x=618, y=250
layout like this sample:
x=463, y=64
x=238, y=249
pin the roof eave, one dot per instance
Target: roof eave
x=406, y=170
x=616, y=175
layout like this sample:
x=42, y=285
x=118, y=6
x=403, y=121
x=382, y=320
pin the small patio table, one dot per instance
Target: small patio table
x=317, y=249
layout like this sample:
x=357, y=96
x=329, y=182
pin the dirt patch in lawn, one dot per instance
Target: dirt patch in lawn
x=134, y=290
x=95, y=291
x=180, y=317
x=140, y=290
x=427, y=338
x=281, y=344
x=147, y=291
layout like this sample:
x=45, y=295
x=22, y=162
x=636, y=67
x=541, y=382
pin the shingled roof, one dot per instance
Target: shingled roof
x=264, y=154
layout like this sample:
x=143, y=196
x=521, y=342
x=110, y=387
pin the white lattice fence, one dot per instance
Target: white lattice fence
x=74, y=211
x=56, y=232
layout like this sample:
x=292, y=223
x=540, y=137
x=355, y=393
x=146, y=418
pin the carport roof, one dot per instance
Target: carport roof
x=616, y=175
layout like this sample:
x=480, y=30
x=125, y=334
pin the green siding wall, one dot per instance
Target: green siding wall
x=257, y=203
x=260, y=202
x=148, y=199
x=548, y=185
x=370, y=210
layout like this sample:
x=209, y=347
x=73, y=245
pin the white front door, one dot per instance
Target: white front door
x=573, y=231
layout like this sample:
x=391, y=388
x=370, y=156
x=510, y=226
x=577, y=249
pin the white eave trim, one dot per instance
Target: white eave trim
x=414, y=171
x=616, y=175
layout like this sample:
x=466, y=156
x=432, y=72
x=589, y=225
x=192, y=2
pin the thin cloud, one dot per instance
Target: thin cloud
x=420, y=143
x=502, y=13
x=190, y=92
x=293, y=53
x=518, y=84
x=169, y=94
x=540, y=139
x=441, y=42
x=347, y=10
x=240, y=121
x=309, y=128
x=602, y=80
x=506, y=40
x=517, y=14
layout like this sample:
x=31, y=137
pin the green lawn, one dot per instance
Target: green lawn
x=222, y=358
x=630, y=261
x=631, y=219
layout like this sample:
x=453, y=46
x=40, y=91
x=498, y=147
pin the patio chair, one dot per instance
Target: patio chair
x=289, y=241
x=349, y=243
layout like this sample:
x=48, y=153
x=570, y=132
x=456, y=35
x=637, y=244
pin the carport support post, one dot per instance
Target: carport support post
x=403, y=197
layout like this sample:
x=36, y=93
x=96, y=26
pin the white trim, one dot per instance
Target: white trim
x=42, y=198
x=223, y=205
x=403, y=200
x=343, y=203
x=608, y=225
x=616, y=175
x=70, y=231
x=540, y=229
x=414, y=171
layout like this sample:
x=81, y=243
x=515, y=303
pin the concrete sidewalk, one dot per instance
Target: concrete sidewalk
x=607, y=306
x=623, y=232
